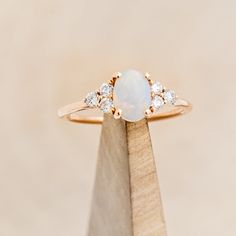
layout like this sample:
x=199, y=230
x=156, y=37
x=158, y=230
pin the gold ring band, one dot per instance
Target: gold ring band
x=72, y=112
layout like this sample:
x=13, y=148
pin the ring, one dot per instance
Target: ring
x=130, y=95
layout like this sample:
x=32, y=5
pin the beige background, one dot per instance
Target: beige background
x=53, y=52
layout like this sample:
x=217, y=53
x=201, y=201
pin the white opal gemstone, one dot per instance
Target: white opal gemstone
x=132, y=94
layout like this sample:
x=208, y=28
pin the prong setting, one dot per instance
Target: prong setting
x=148, y=78
x=148, y=112
x=116, y=76
x=112, y=81
x=117, y=114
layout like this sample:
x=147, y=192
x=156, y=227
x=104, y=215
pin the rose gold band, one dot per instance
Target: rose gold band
x=72, y=112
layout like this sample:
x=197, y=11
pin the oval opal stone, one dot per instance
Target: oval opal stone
x=132, y=94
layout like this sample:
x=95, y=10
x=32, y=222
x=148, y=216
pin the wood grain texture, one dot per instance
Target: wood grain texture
x=126, y=199
x=147, y=211
x=111, y=206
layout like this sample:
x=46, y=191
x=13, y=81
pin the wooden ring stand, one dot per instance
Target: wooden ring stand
x=126, y=199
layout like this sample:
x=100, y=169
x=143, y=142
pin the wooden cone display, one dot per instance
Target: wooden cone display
x=126, y=199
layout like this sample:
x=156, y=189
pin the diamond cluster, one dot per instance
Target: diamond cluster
x=101, y=98
x=161, y=96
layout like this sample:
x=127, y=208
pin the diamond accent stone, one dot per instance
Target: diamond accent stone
x=170, y=96
x=106, y=89
x=157, y=102
x=91, y=99
x=106, y=105
x=157, y=88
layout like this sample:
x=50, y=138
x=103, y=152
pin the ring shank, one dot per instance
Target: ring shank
x=72, y=112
